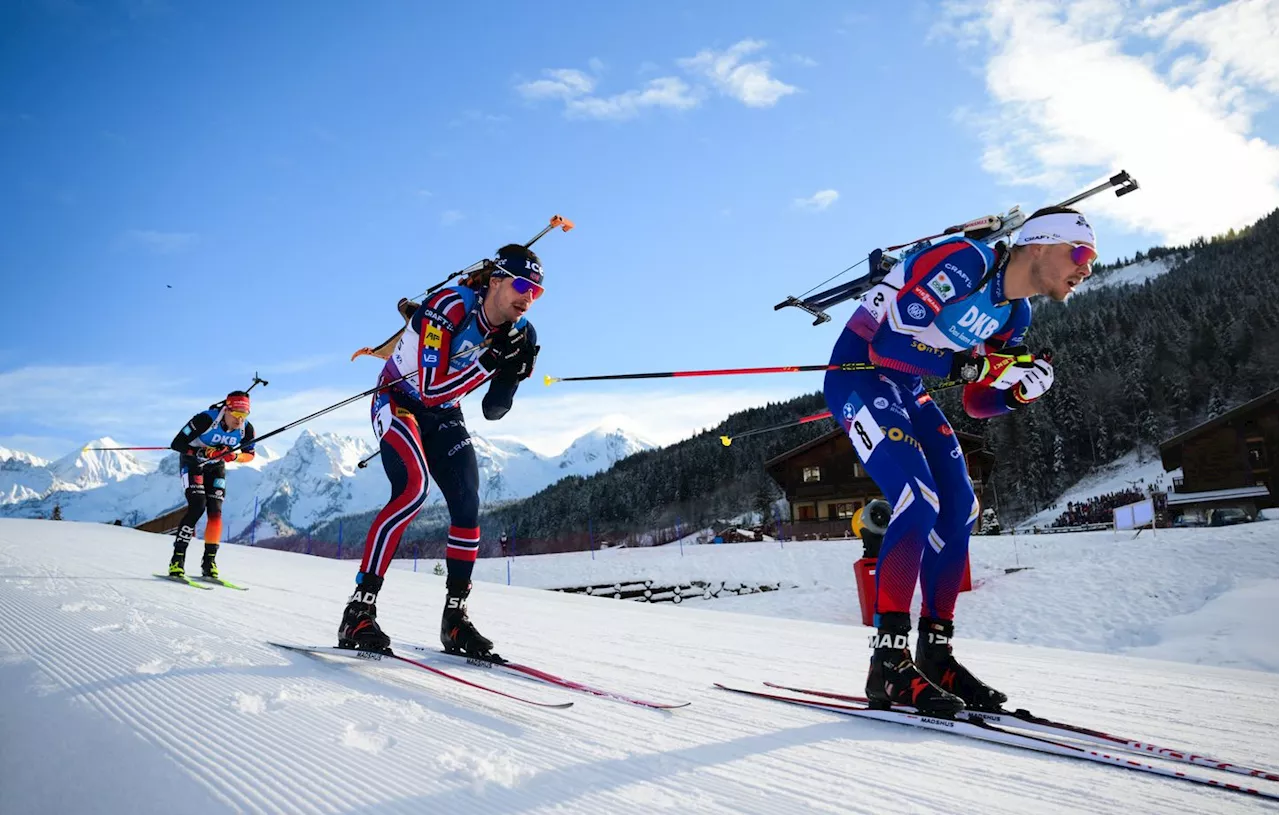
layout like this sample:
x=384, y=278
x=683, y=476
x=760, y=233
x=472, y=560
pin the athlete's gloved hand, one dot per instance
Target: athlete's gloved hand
x=1000, y=370
x=1033, y=385
x=503, y=344
x=511, y=351
x=521, y=365
x=218, y=454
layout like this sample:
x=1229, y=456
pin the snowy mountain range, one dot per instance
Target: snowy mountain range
x=315, y=481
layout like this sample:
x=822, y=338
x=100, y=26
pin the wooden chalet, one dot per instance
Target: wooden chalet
x=1227, y=462
x=825, y=483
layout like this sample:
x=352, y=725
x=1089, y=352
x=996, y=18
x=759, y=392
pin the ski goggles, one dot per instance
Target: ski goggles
x=239, y=414
x=522, y=285
x=1082, y=254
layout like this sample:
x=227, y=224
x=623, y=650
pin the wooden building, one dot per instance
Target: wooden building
x=165, y=524
x=825, y=483
x=1227, y=462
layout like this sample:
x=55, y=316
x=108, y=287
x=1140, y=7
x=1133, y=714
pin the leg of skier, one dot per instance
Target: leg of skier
x=193, y=488
x=453, y=465
x=873, y=411
x=942, y=567
x=215, y=485
x=406, y=468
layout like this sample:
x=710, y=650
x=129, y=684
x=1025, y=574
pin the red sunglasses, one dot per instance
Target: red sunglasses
x=524, y=285
x=1083, y=254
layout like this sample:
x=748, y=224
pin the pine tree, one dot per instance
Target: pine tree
x=57, y=513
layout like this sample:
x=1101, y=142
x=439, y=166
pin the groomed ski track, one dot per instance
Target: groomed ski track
x=121, y=693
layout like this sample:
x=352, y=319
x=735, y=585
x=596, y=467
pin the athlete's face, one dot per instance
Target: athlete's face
x=1056, y=272
x=234, y=421
x=509, y=304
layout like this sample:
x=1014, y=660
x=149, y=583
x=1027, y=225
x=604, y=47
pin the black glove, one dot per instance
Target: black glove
x=511, y=353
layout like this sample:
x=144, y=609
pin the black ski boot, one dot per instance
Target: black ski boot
x=177, y=563
x=934, y=657
x=895, y=680
x=359, y=629
x=457, y=634
x=208, y=568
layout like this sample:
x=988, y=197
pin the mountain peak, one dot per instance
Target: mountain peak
x=86, y=468
x=6, y=454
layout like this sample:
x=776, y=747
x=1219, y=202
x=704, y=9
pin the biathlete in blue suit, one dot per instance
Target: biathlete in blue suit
x=457, y=340
x=955, y=309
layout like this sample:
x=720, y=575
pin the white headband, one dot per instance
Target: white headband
x=1057, y=227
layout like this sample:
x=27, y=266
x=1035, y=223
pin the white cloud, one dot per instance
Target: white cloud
x=1240, y=36
x=574, y=88
x=1076, y=93
x=47, y=447
x=664, y=92
x=817, y=202
x=157, y=243
x=564, y=83
x=748, y=82
x=450, y=217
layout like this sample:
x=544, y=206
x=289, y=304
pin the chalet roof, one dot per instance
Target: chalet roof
x=972, y=439
x=1170, y=449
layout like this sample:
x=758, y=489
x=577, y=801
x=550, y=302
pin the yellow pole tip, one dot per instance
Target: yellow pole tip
x=547, y=380
x=726, y=441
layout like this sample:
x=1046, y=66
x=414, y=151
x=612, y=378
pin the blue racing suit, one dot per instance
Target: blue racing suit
x=945, y=299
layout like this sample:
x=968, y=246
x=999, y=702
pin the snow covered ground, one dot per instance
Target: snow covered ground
x=1133, y=274
x=1123, y=473
x=120, y=693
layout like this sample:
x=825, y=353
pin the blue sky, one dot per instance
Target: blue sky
x=197, y=191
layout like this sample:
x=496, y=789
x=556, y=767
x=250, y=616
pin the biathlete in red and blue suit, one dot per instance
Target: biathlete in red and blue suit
x=957, y=309
x=457, y=340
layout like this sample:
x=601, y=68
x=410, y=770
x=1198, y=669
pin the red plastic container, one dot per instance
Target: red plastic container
x=864, y=572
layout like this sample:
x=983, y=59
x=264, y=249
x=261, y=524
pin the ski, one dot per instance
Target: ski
x=982, y=731
x=217, y=581
x=397, y=661
x=1025, y=720
x=538, y=675
x=175, y=579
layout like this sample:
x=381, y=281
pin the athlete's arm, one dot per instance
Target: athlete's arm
x=198, y=424
x=436, y=322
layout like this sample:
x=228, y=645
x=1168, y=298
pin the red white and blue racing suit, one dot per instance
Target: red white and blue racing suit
x=421, y=429
x=945, y=299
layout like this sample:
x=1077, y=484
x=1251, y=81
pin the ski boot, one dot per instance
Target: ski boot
x=177, y=565
x=457, y=633
x=935, y=660
x=359, y=629
x=895, y=680
x=208, y=568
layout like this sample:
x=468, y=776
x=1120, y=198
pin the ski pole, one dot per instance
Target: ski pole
x=826, y=414
x=781, y=369
x=321, y=412
x=564, y=223
x=728, y=440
